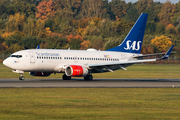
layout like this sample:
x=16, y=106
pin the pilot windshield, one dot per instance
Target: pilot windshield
x=17, y=56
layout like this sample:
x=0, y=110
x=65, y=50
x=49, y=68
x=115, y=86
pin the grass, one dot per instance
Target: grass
x=135, y=71
x=90, y=103
x=94, y=103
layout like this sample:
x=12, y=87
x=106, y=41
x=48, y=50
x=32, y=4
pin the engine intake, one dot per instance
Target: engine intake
x=76, y=71
x=39, y=73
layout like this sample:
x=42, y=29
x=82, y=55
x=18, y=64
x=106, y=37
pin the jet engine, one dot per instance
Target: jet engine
x=39, y=73
x=76, y=71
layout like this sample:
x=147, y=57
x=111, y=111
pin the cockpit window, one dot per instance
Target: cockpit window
x=17, y=56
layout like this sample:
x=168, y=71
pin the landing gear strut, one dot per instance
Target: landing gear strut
x=21, y=77
x=65, y=77
x=88, y=77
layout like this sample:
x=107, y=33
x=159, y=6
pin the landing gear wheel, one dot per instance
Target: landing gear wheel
x=88, y=77
x=21, y=78
x=65, y=77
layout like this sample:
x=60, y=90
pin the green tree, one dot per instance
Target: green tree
x=1, y=39
x=14, y=38
x=120, y=26
x=132, y=14
x=56, y=42
x=178, y=28
x=93, y=8
x=170, y=29
x=119, y=8
x=106, y=28
x=113, y=42
x=29, y=42
x=3, y=8
x=24, y=7
x=75, y=43
x=3, y=23
x=15, y=22
x=69, y=6
x=176, y=17
x=150, y=27
x=160, y=28
x=167, y=13
x=14, y=48
x=10, y=7
x=96, y=42
x=34, y=27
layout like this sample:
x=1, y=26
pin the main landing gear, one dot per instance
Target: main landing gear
x=21, y=77
x=88, y=77
x=65, y=77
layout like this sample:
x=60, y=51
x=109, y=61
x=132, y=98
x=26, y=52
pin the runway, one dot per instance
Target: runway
x=96, y=83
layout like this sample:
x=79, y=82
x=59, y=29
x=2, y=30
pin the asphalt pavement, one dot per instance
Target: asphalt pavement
x=96, y=83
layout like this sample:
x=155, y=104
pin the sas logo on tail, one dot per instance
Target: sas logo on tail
x=134, y=46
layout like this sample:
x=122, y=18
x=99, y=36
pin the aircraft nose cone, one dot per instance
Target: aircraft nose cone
x=5, y=62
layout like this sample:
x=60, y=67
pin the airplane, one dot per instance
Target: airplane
x=82, y=63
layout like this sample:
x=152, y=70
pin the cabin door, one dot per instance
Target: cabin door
x=32, y=57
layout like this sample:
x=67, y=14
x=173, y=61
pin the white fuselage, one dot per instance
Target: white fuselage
x=54, y=60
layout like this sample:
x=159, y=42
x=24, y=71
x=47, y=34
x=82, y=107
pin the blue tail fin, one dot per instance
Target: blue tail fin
x=133, y=41
x=38, y=47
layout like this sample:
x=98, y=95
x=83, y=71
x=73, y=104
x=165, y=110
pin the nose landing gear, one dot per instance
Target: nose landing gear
x=21, y=77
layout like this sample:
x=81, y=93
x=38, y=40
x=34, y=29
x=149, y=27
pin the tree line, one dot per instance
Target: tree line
x=82, y=24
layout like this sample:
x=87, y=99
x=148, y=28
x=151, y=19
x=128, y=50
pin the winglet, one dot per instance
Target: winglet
x=38, y=47
x=167, y=53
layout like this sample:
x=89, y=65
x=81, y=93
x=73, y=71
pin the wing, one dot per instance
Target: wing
x=110, y=67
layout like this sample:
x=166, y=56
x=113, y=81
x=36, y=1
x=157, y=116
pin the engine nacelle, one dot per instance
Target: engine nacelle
x=76, y=71
x=39, y=73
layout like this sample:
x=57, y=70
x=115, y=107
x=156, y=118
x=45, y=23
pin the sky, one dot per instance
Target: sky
x=162, y=1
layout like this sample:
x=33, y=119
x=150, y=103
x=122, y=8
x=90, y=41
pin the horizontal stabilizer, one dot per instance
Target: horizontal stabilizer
x=168, y=53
